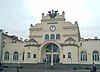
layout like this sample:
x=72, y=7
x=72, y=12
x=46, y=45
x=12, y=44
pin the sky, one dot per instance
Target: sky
x=17, y=15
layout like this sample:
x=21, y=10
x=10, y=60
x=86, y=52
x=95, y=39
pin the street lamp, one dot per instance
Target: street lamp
x=52, y=15
x=52, y=56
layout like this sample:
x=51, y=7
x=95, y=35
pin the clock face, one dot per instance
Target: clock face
x=52, y=28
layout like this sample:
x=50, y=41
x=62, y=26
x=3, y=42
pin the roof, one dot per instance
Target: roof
x=12, y=37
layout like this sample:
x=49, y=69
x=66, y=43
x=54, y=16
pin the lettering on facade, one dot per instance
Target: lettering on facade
x=53, y=23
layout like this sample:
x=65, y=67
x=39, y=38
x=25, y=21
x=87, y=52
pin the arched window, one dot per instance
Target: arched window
x=83, y=56
x=51, y=47
x=29, y=55
x=6, y=56
x=58, y=36
x=95, y=56
x=52, y=36
x=69, y=55
x=46, y=37
x=15, y=55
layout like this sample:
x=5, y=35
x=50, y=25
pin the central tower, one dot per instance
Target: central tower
x=54, y=33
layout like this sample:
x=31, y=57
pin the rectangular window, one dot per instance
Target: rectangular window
x=29, y=55
x=69, y=56
x=23, y=56
x=34, y=55
x=63, y=56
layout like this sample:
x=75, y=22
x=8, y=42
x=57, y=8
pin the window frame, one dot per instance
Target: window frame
x=52, y=36
x=46, y=37
x=57, y=36
x=69, y=55
x=28, y=55
x=6, y=55
x=34, y=55
x=95, y=56
x=15, y=55
x=83, y=56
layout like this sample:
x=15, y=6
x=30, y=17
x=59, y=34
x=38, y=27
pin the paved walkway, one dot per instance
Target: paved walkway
x=31, y=70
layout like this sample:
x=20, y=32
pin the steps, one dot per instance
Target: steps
x=56, y=66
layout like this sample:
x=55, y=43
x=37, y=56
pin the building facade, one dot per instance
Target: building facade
x=52, y=40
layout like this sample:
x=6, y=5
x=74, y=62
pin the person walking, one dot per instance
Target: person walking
x=93, y=67
x=1, y=68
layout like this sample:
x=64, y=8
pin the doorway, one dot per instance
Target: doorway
x=52, y=53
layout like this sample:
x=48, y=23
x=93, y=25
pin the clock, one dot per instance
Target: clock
x=52, y=28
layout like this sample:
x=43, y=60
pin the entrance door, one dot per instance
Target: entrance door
x=52, y=53
x=55, y=58
x=48, y=56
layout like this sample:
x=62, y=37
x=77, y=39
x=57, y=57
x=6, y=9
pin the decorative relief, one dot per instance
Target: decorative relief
x=36, y=29
x=36, y=36
x=66, y=27
x=67, y=35
x=53, y=23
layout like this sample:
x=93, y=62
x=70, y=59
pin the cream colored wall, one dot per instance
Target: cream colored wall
x=74, y=55
x=19, y=47
x=89, y=47
x=65, y=29
x=32, y=50
x=69, y=31
x=0, y=44
x=11, y=48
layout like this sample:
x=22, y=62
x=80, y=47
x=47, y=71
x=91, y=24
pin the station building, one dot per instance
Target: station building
x=53, y=40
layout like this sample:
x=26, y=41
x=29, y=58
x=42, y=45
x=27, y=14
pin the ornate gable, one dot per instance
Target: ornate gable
x=32, y=40
x=70, y=39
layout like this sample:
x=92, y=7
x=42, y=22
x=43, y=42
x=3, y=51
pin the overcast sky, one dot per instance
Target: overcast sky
x=17, y=15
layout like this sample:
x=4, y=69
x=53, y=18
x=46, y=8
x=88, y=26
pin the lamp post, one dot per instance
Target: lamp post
x=52, y=15
x=52, y=56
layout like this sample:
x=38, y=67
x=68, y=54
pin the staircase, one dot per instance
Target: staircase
x=57, y=67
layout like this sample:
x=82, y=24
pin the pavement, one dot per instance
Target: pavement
x=32, y=70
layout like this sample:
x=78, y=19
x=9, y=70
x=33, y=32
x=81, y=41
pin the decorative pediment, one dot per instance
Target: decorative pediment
x=70, y=39
x=32, y=40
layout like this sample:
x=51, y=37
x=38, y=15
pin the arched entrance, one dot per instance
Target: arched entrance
x=51, y=53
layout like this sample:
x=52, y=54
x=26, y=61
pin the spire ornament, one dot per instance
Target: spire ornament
x=52, y=13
